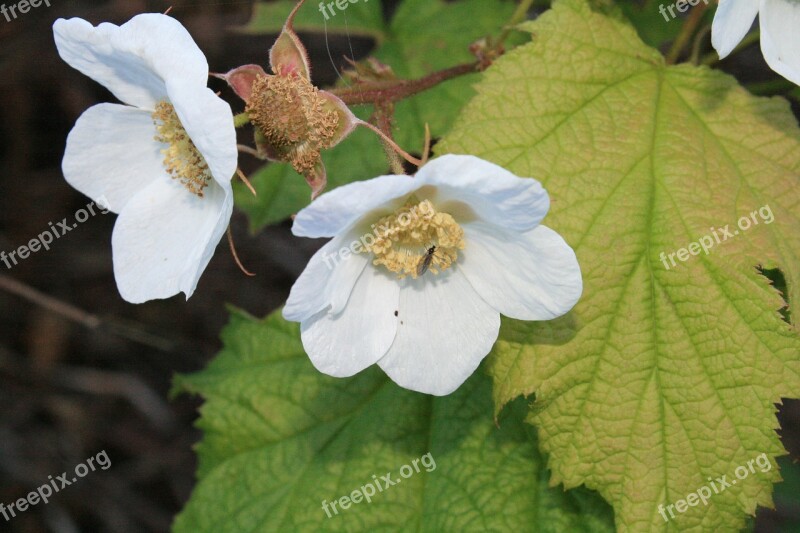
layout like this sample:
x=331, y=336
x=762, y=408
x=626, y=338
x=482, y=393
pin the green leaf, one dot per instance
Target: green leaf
x=279, y=438
x=653, y=27
x=364, y=19
x=659, y=378
x=414, y=47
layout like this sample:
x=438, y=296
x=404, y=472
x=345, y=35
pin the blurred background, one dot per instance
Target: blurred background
x=83, y=371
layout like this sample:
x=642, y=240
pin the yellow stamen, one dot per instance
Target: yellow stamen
x=404, y=238
x=182, y=159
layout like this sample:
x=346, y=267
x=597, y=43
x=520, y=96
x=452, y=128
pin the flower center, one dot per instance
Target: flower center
x=294, y=118
x=182, y=159
x=416, y=238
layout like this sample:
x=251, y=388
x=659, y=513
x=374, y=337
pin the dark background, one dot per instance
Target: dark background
x=69, y=387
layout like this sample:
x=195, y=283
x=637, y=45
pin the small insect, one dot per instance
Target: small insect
x=425, y=262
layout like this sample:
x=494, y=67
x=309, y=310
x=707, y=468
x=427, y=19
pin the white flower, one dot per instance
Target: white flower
x=780, y=31
x=376, y=293
x=164, y=160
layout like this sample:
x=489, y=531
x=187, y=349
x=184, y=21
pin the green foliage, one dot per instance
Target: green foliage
x=659, y=378
x=279, y=438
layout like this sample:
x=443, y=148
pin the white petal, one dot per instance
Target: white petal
x=343, y=344
x=327, y=280
x=133, y=60
x=493, y=193
x=732, y=21
x=445, y=330
x=209, y=122
x=111, y=154
x=337, y=210
x=530, y=276
x=165, y=237
x=780, y=37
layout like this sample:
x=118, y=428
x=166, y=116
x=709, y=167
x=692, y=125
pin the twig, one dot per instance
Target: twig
x=84, y=318
x=686, y=33
x=64, y=309
x=245, y=180
x=392, y=91
x=235, y=255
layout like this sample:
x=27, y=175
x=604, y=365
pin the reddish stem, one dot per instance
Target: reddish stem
x=392, y=91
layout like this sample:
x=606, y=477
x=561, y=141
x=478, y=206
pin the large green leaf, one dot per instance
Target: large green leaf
x=279, y=438
x=660, y=378
x=422, y=37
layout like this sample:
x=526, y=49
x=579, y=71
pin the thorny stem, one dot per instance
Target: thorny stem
x=686, y=33
x=393, y=91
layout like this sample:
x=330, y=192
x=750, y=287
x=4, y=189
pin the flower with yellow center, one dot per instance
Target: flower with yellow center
x=411, y=244
x=420, y=269
x=163, y=160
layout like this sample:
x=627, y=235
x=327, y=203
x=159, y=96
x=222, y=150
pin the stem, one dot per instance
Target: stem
x=79, y=316
x=770, y=87
x=408, y=157
x=383, y=116
x=68, y=311
x=235, y=255
x=686, y=33
x=519, y=15
x=393, y=91
x=250, y=151
x=241, y=120
x=749, y=39
x=694, y=58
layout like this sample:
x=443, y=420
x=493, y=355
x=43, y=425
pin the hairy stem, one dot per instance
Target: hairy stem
x=393, y=91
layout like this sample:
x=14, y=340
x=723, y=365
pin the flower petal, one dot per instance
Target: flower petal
x=111, y=154
x=529, y=276
x=337, y=210
x=343, y=344
x=209, y=122
x=445, y=329
x=133, y=60
x=780, y=37
x=165, y=237
x=327, y=281
x=493, y=193
x=732, y=21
